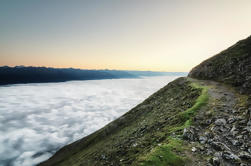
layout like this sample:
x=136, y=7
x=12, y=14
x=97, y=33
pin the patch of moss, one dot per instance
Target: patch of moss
x=186, y=116
x=242, y=100
x=166, y=154
x=201, y=100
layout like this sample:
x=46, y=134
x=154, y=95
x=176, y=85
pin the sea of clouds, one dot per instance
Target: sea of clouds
x=38, y=119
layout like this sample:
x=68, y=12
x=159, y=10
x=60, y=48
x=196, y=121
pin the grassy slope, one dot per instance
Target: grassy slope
x=164, y=155
x=149, y=134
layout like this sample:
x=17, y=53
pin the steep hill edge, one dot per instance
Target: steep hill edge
x=128, y=139
x=204, y=119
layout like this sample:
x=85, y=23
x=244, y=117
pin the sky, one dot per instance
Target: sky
x=158, y=35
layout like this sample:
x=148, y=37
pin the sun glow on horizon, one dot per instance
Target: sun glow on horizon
x=124, y=35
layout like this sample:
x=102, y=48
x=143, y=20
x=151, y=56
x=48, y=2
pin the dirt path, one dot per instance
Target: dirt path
x=222, y=128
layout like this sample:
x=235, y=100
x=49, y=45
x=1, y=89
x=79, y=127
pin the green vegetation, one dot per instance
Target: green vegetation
x=201, y=100
x=166, y=154
x=186, y=116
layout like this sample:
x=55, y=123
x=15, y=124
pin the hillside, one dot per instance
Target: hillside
x=204, y=119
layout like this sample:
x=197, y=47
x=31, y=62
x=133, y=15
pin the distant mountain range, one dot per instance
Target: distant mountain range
x=22, y=74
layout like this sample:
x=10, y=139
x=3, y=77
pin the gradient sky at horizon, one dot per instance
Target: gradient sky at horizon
x=160, y=35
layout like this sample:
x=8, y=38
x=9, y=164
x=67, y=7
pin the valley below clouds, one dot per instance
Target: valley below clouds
x=38, y=119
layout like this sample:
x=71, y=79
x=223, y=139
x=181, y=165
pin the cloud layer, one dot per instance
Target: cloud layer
x=38, y=119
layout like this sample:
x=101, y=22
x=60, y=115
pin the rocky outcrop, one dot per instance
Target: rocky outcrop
x=231, y=66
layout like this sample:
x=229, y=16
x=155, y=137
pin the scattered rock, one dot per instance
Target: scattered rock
x=233, y=131
x=239, y=137
x=230, y=156
x=189, y=134
x=134, y=145
x=201, y=148
x=215, y=161
x=219, y=146
x=209, y=135
x=202, y=139
x=243, y=122
x=103, y=157
x=209, y=152
x=236, y=142
x=194, y=149
x=231, y=120
x=248, y=128
x=220, y=122
x=245, y=155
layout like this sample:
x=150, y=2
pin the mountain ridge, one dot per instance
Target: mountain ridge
x=22, y=74
x=231, y=66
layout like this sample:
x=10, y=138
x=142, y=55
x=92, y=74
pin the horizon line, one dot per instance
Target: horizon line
x=15, y=66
